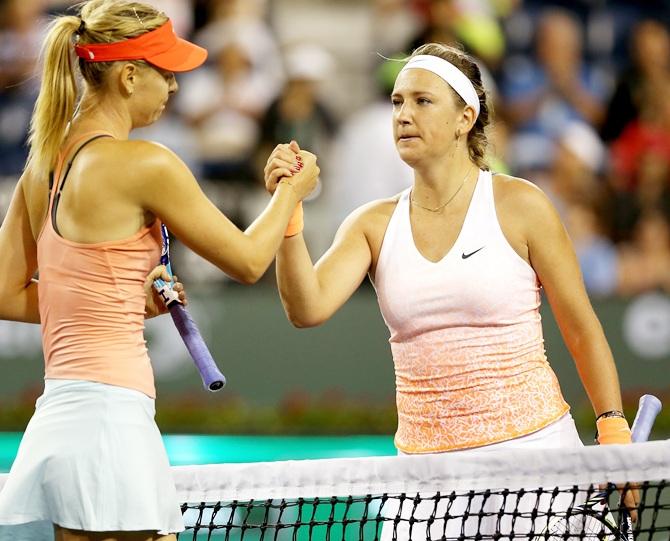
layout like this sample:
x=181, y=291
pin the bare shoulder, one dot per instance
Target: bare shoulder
x=147, y=154
x=515, y=190
x=367, y=224
x=139, y=164
x=526, y=216
x=519, y=197
x=372, y=216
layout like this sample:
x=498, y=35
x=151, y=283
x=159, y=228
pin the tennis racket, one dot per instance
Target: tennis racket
x=212, y=378
x=649, y=407
x=593, y=519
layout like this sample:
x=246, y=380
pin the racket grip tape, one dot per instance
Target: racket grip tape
x=648, y=409
x=212, y=377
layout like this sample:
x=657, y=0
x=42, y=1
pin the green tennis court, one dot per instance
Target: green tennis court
x=184, y=449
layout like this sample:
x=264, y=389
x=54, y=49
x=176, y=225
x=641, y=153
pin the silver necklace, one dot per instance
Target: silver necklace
x=437, y=209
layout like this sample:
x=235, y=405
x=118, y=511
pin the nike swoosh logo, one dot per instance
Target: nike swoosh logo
x=465, y=256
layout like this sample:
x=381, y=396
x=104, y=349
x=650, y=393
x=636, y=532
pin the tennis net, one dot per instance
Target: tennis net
x=535, y=494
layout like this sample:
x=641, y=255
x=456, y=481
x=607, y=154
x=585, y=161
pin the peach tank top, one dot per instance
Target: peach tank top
x=91, y=301
x=466, y=335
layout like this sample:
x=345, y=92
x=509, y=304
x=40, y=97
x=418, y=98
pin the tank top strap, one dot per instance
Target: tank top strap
x=396, y=230
x=481, y=216
x=80, y=142
x=487, y=188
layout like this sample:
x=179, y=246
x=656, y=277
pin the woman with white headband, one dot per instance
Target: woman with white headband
x=87, y=214
x=457, y=262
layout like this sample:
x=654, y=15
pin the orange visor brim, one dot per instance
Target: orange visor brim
x=160, y=47
x=183, y=56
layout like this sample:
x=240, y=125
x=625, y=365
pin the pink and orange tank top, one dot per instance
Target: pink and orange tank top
x=92, y=300
x=466, y=335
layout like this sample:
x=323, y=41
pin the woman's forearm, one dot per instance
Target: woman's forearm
x=266, y=233
x=596, y=368
x=298, y=283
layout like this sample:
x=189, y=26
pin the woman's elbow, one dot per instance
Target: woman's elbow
x=245, y=280
x=303, y=320
x=249, y=272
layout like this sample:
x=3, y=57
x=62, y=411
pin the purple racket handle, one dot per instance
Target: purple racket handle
x=211, y=376
x=649, y=408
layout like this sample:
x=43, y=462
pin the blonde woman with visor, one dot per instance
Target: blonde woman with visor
x=86, y=215
x=457, y=262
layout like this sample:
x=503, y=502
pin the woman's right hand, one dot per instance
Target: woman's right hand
x=288, y=164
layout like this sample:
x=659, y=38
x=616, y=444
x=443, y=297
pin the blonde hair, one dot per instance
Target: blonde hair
x=477, y=138
x=104, y=21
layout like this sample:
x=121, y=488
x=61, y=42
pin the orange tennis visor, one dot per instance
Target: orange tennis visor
x=160, y=47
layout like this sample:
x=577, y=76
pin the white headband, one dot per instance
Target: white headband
x=454, y=77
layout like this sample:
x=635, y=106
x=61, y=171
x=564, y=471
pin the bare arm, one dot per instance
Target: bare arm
x=18, y=263
x=312, y=294
x=171, y=192
x=553, y=258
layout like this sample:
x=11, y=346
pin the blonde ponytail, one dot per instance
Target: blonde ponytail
x=106, y=21
x=57, y=98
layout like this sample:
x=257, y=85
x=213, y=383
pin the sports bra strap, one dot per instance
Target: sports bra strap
x=54, y=174
x=55, y=191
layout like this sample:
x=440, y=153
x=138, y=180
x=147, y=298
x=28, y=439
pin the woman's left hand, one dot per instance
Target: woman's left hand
x=154, y=304
x=283, y=162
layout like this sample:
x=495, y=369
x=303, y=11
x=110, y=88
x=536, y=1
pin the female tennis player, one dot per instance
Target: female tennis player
x=86, y=216
x=457, y=262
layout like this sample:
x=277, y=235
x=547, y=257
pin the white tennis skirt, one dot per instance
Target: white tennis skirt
x=92, y=459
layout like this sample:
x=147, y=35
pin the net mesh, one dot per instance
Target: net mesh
x=555, y=494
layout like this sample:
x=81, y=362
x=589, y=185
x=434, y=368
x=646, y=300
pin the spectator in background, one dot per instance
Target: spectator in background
x=471, y=23
x=649, y=67
x=640, y=176
x=596, y=253
x=577, y=158
x=298, y=112
x=365, y=162
x=649, y=133
x=573, y=185
x=625, y=206
x=245, y=16
x=20, y=36
x=394, y=24
x=644, y=263
x=238, y=91
x=180, y=13
x=542, y=96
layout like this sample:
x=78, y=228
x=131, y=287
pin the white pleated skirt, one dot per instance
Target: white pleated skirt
x=92, y=459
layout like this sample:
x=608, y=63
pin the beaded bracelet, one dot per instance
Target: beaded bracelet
x=611, y=413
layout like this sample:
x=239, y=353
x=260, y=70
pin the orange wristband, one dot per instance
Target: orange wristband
x=296, y=223
x=613, y=430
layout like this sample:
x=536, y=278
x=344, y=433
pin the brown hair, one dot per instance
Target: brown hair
x=477, y=137
x=104, y=21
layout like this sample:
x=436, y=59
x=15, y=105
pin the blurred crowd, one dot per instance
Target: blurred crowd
x=581, y=91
